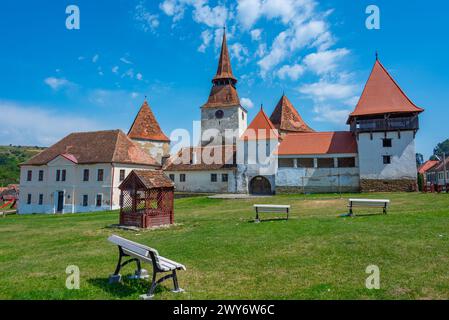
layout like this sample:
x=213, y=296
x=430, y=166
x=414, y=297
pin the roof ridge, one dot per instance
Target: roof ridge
x=396, y=84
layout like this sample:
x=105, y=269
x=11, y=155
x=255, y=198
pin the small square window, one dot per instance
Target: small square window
x=213, y=177
x=172, y=177
x=182, y=177
x=387, y=159
x=224, y=177
x=387, y=143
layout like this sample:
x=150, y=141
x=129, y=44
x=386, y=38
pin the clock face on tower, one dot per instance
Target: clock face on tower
x=219, y=114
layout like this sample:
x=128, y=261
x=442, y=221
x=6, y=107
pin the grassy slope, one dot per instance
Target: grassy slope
x=315, y=255
x=10, y=158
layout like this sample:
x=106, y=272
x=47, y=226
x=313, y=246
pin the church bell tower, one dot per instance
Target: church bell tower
x=223, y=119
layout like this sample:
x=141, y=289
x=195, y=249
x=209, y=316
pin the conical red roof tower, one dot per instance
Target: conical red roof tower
x=382, y=95
x=146, y=127
x=287, y=119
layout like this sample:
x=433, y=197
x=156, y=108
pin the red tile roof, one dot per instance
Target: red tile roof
x=286, y=118
x=260, y=128
x=383, y=95
x=426, y=166
x=318, y=143
x=150, y=179
x=112, y=146
x=440, y=166
x=146, y=127
x=203, y=159
x=222, y=96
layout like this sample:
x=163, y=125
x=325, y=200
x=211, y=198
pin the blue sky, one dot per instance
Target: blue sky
x=55, y=81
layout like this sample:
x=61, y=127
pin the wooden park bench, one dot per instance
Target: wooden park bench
x=139, y=253
x=376, y=203
x=270, y=208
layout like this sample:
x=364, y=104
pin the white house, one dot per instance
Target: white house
x=80, y=173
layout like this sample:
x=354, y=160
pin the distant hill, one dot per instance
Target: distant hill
x=10, y=158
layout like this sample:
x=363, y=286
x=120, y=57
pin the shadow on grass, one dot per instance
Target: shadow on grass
x=126, y=288
x=268, y=220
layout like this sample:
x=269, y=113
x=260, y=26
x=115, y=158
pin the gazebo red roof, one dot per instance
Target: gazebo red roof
x=285, y=117
x=146, y=127
x=426, y=166
x=383, y=95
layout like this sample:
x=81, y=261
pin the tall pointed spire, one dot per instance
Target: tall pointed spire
x=224, y=71
x=223, y=92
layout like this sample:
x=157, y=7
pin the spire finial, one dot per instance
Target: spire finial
x=377, y=55
x=261, y=106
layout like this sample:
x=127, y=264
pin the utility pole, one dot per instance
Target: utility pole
x=445, y=171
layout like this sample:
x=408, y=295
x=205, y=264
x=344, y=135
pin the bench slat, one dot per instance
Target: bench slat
x=141, y=252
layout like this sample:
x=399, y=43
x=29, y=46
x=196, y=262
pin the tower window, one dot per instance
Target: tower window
x=172, y=177
x=29, y=175
x=387, y=159
x=387, y=143
x=219, y=114
x=224, y=177
x=213, y=177
x=122, y=175
x=86, y=175
x=182, y=177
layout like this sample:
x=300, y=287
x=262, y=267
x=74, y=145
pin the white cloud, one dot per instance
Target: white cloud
x=36, y=125
x=125, y=60
x=247, y=103
x=256, y=34
x=95, y=58
x=248, y=12
x=206, y=37
x=292, y=72
x=326, y=90
x=139, y=76
x=325, y=61
x=202, y=12
x=238, y=51
x=325, y=113
x=58, y=83
x=147, y=20
x=115, y=69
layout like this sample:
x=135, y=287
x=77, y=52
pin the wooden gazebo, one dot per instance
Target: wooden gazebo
x=146, y=199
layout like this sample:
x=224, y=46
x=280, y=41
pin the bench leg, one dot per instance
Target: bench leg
x=257, y=216
x=155, y=283
x=175, y=283
x=351, y=213
x=116, y=277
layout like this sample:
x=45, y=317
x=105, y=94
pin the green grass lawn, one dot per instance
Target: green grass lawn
x=315, y=255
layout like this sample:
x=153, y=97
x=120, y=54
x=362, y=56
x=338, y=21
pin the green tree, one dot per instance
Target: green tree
x=441, y=148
